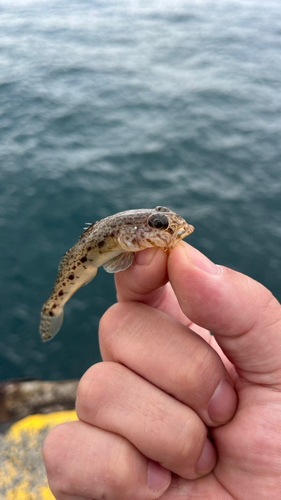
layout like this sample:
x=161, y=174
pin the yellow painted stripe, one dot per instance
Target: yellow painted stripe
x=22, y=472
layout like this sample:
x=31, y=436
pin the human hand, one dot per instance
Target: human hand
x=162, y=389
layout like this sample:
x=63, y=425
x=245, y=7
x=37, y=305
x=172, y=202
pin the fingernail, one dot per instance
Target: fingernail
x=158, y=478
x=201, y=261
x=207, y=460
x=223, y=403
x=144, y=257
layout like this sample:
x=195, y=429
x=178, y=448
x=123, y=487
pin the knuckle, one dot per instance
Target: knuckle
x=189, y=443
x=204, y=361
x=107, y=320
x=95, y=387
x=120, y=467
x=91, y=388
x=54, y=451
x=126, y=471
x=113, y=326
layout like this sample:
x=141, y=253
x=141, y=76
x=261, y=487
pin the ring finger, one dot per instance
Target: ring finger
x=113, y=398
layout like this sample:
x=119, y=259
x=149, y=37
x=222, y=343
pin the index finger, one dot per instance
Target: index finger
x=146, y=281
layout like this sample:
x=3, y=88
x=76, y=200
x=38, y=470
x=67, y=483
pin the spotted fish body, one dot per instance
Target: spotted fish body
x=111, y=243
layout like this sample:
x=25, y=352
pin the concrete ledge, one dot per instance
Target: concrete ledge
x=22, y=471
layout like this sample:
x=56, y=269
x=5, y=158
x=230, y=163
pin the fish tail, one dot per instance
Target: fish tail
x=50, y=323
x=68, y=281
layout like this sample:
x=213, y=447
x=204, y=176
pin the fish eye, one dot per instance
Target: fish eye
x=158, y=221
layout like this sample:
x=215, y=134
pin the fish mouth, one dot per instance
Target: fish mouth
x=182, y=233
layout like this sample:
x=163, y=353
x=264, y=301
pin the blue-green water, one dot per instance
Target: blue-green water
x=112, y=105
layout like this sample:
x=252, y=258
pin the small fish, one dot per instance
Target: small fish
x=110, y=243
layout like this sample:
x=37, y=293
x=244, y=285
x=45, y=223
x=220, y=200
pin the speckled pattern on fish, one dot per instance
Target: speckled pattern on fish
x=111, y=243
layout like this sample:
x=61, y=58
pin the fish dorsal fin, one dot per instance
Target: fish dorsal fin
x=89, y=225
x=119, y=263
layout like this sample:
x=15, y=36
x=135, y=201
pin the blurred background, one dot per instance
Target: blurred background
x=119, y=104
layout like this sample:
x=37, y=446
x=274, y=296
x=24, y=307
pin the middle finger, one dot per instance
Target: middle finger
x=171, y=356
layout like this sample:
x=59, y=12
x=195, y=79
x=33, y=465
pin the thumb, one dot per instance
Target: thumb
x=241, y=313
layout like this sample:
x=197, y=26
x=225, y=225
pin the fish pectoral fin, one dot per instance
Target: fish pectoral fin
x=119, y=263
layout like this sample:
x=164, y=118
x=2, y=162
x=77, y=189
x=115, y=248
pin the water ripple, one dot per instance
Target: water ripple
x=117, y=105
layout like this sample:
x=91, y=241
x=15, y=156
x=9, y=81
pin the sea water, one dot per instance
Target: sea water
x=119, y=104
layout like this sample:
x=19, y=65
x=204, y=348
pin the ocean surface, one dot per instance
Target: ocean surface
x=119, y=104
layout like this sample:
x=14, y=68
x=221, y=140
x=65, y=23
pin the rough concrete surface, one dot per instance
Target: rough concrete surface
x=22, y=471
